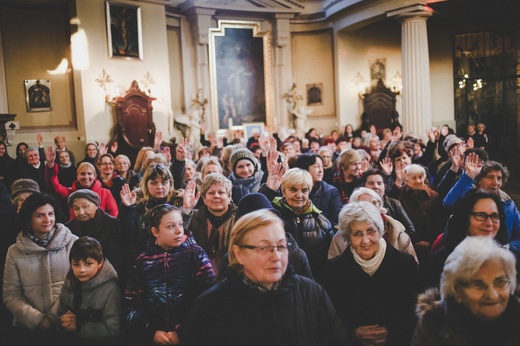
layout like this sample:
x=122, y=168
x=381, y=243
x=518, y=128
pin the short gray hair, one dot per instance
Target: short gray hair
x=414, y=169
x=354, y=197
x=466, y=260
x=359, y=212
x=296, y=177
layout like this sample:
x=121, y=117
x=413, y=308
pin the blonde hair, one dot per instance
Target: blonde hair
x=296, y=177
x=82, y=166
x=140, y=161
x=212, y=179
x=348, y=157
x=246, y=224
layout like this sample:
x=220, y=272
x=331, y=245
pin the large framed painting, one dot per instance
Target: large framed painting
x=240, y=73
x=124, y=30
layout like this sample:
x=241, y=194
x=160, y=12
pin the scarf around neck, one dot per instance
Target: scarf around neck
x=43, y=242
x=372, y=265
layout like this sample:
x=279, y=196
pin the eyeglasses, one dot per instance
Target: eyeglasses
x=265, y=249
x=480, y=288
x=481, y=216
x=360, y=234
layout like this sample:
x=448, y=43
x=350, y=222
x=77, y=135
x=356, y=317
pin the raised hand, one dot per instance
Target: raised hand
x=473, y=165
x=263, y=143
x=128, y=197
x=274, y=179
x=167, y=154
x=386, y=165
x=39, y=139
x=190, y=199
x=400, y=173
x=457, y=158
x=157, y=140
x=181, y=152
x=50, y=156
x=113, y=147
x=470, y=143
x=102, y=149
x=431, y=135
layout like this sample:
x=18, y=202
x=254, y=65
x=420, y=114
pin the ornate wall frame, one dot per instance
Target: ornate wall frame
x=240, y=74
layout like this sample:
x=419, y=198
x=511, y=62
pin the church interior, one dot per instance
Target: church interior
x=66, y=66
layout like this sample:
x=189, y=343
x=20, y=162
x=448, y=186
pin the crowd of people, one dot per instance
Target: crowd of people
x=354, y=238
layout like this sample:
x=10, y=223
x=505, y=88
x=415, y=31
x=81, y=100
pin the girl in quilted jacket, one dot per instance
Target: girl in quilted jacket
x=165, y=280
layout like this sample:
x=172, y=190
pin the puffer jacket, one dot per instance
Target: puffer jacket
x=107, y=201
x=34, y=276
x=327, y=199
x=311, y=230
x=395, y=235
x=233, y=313
x=163, y=286
x=99, y=315
x=447, y=323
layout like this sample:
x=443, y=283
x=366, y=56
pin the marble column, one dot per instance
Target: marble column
x=416, y=94
x=282, y=68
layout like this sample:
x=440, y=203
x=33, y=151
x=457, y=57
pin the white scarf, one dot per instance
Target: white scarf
x=372, y=265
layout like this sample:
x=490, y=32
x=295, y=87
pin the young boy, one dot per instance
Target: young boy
x=90, y=301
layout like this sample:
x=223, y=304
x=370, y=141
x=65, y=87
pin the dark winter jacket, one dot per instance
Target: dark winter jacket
x=298, y=313
x=387, y=298
x=447, y=323
x=162, y=287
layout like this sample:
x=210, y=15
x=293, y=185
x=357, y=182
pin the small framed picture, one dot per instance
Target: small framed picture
x=38, y=95
x=124, y=30
x=249, y=128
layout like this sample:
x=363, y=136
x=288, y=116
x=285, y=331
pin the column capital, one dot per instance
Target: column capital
x=411, y=12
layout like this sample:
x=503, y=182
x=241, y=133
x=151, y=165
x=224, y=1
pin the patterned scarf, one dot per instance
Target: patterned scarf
x=43, y=242
x=251, y=284
x=214, y=238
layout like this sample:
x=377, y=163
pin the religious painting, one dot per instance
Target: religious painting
x=124, y=30
x=377, y=69
x=240, y=72
x=314, y=92
x=38, y=95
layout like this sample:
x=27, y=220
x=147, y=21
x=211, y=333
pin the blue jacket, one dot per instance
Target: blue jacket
x=465, y=183
x=327, y=199
x=163, y=286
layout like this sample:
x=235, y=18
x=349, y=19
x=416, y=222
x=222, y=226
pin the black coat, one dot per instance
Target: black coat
x=386, y=298
x=231, y=313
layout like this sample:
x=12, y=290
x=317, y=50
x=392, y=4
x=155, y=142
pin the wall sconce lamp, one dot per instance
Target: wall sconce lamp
x=361, y=85
x=396, y=83
x=112, y=93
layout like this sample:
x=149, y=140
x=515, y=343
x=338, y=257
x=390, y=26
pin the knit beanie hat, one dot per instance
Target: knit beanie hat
x=84, y=193
x=23, y=185
x=241, y=154
x=252, y=202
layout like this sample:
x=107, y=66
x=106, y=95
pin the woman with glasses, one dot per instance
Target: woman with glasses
x=108, y=176
x=262, y=301
x=476, y=305
x=372, y=285
x=477, y=214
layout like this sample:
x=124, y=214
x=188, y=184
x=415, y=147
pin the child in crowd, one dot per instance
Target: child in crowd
x=165, y=280
x=90, y=301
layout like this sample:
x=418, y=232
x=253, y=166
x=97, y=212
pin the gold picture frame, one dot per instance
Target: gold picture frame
x=240, y=74
x=124, y=30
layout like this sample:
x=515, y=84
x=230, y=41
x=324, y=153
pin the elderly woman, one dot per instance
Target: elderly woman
x=477, y=306
x=478, y=214
x=36, y=265
x=424, y=207
x=261, y=301
x=306, y=223
x=93, y=222
x=86, y=179
x=156, y=187
x=394, y=232
x=324, y=196
x=372, y=285
x=346, y=178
